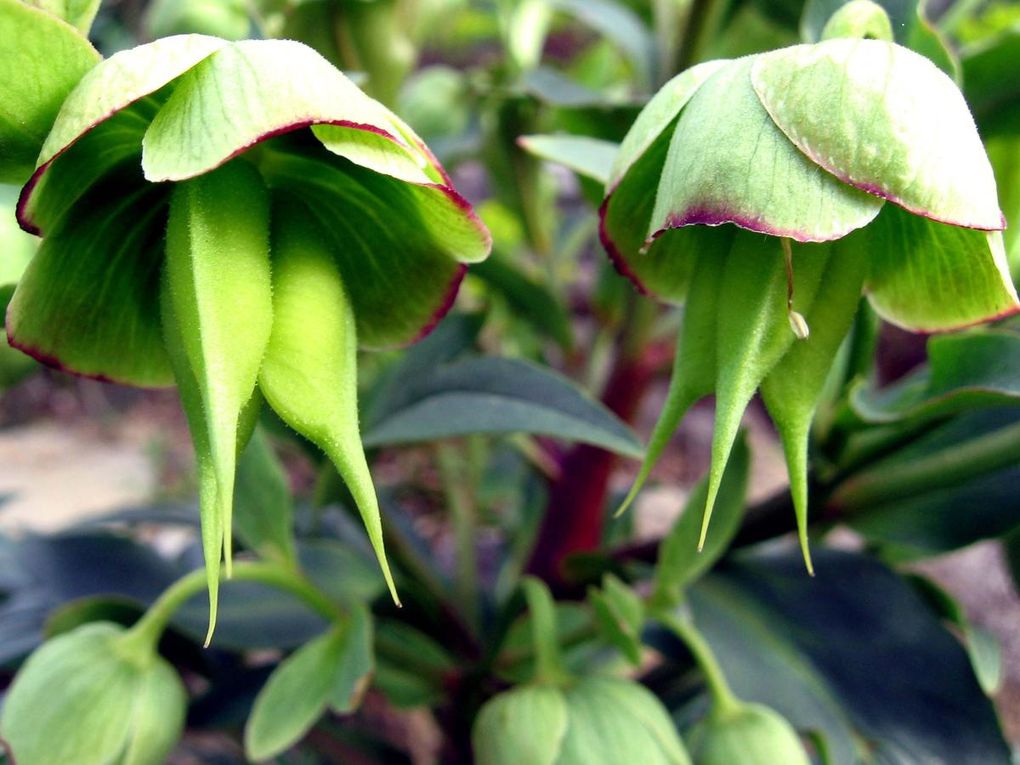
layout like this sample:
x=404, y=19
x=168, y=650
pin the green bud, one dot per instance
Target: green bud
x=91, y=697
x=750, y=734
x=593, y=721
x=859, y=18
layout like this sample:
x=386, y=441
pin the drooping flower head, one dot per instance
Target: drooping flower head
x=237, y=218
x=769, y=192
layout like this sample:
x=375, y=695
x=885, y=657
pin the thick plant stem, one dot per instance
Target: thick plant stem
x=576, y=508
x=463, y=514
x=724, y=700
x=148, y=630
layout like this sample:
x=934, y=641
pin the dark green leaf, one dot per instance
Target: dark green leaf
x=263, y=508
x=955, y=504
x=982, y=647
x=619, y=614
x=680, y=562
x=974, y=370
x=991, y=84
x=329, y=671
x=852, y=668
x=493, y=396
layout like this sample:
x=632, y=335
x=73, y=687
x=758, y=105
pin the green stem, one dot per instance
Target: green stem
x=704, y=19
x=723, y=699
x=461, y=502
x=146, y=632
x=943, y=469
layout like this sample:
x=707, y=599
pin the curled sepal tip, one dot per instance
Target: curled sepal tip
x=309, y=373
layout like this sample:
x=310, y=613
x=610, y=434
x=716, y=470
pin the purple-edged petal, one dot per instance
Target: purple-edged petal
x=885, y=120
x=729, y=163
x=121, y=80
x=125, y=82
x=253, y=90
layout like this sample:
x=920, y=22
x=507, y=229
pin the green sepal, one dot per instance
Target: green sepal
x=793, y=388
x=750, y=734
x=241, y=95
x=859, y=19
x=42, y=58
x=694, y=361
x=309, y=373
x=885, y=120
x=388, y=237
x=617, y=721
x=658, y=116
x=929, y=276
x=219, y=295
x=120, y=81
x=729, y=163
x=87, y=303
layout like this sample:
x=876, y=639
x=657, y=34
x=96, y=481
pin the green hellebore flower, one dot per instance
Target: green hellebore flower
x=237, y=218
x=749, y=734
x=845, y=166
x=591, y=721
x=91, y=698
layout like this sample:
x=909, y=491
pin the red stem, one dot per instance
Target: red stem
x=576, y=510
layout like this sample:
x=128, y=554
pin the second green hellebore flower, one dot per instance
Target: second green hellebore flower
x=237, y=218
x=845, y=166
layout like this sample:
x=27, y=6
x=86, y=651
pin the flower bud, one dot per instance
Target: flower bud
x=91, y=697
x=594, y=721
x=752, y=734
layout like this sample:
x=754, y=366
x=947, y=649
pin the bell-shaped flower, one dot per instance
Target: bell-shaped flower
x=746, y=734
x=237, y=218
x=94, y=696
x=842, y=167
x=589, y=721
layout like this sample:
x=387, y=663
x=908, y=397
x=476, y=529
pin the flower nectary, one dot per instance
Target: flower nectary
x=186, y=179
